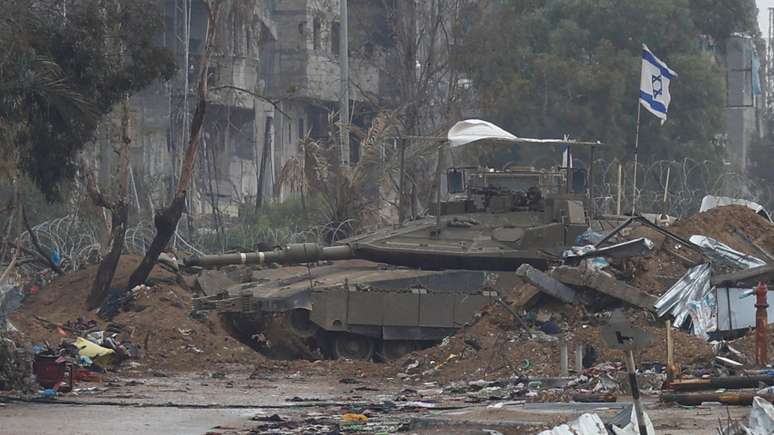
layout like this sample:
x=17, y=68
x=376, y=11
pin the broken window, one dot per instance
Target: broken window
x=316, y=28
x=335, y=35
x=301, y=131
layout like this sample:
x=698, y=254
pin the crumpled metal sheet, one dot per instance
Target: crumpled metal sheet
x=691, y=297
x=718, y=250
x=761, y=417
x=586, y=424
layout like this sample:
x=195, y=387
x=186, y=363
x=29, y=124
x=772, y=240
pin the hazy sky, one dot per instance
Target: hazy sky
x=763, y=15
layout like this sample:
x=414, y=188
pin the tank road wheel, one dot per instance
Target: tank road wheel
x=352, y=346
x=394, y=349
x=299, y=323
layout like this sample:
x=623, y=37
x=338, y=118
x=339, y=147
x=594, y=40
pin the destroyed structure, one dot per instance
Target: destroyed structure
x=274, y=80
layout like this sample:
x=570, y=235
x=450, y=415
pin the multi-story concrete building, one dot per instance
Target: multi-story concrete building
x=745, y=104
x=274, y=78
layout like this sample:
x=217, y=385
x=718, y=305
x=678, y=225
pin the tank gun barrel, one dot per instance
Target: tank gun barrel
x=290, y=254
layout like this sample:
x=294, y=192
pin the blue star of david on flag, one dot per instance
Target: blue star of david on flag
x=654, y=84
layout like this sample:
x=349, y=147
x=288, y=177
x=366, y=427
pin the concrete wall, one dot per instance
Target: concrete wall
x=743, y=109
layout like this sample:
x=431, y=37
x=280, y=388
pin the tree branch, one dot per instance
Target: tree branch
x=36, y=243
x=274, y=103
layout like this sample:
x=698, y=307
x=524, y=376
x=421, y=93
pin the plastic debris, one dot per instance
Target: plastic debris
x=586, y=424
x=761, y=417
x=354, y=417
x=100, y=355
x=47, y=393
x=588, y=237
x=632, y=427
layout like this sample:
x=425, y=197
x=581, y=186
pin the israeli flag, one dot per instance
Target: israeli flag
x=654, y=84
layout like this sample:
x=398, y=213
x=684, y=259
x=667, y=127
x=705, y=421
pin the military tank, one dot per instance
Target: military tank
x=388, y=292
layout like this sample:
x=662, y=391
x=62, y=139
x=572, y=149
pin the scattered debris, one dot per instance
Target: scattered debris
x=156, y=327
x=586, y=424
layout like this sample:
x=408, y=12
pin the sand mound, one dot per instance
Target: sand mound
x=505, y=349
x=158, y=321
x=736, y=226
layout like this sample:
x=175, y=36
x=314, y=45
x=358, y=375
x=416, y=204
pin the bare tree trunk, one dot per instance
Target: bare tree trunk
x=267, y=138
x=119, y=216
x=107, y=268
x=166, y=219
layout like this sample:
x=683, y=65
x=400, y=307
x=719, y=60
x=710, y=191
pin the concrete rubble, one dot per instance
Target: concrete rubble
x=539, y=346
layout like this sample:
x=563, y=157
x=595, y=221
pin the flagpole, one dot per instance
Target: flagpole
x=636, y=149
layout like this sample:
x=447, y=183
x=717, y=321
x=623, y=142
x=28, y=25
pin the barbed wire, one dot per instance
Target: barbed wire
x=665, y=186
x=683, y=184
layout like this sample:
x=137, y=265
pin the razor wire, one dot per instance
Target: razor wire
x=685, y=183
x=77, y=240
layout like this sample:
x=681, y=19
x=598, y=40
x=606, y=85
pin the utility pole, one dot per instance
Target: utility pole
x=344, y=94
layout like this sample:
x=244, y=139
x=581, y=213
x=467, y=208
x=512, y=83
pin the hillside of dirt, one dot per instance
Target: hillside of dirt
x=158, y=322
x=737, y=226
x=497, y=347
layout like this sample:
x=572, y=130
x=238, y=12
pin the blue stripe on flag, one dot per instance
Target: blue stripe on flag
x=655, y=105
x=648, y=56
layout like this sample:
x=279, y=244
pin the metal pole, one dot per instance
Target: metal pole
x=636, y=150
x=438, y=193
x=670, y=351
x=563, y=359
x=761, y=325
x=620, y=189
x=401, y=186
x=344, y=93
x=590, y=182
x=631, y=368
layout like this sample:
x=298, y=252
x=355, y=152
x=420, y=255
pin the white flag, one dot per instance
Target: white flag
x=654, y=84
x=566, y=154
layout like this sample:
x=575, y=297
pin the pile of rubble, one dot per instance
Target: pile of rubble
x=496, y=346
x=15, y=364
x=566, y=307
x=155, y=332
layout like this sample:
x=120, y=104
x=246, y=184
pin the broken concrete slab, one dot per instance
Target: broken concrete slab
x=525, y=296
x=605, y=284
x=547, y=284
x=747, y=276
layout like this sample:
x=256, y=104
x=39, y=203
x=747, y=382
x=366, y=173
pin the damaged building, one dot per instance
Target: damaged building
x=274, y=79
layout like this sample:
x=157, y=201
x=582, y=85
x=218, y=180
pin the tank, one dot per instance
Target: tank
x=391, y=291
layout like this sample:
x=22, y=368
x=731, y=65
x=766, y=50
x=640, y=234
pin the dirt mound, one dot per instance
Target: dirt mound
x=731, y=225
x=746, y=345
x=737, y=226
x=158, y=321
x=496, y=347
